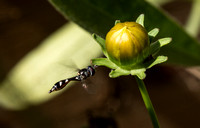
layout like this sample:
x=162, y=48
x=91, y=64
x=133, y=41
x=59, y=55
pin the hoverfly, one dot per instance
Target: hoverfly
x=82, y=75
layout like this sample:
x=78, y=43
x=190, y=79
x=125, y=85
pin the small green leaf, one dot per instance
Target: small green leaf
x=153, y=33
x=164, y=41
x=140, y=20
x=117, y=21
x=101, y=42
x=119, y=72
x=158, y=60
x=139, y=72
x=104, y=62
x=155, y=47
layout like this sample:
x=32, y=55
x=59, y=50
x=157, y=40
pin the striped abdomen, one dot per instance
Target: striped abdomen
x=59, y=85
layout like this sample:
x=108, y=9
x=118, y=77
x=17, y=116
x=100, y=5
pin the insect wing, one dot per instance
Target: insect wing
x=90, y=86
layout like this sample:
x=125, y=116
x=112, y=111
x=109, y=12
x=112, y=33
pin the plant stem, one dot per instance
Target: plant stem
x=147, y=102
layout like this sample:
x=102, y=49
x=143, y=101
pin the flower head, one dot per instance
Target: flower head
x=129, y=49
x=127, y=44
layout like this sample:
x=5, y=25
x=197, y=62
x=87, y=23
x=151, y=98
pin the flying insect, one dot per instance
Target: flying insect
x=82, y=75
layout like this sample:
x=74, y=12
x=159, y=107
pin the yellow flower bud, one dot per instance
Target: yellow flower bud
x=127, y=44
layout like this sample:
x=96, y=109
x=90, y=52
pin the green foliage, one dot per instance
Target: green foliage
x=98, y=16
x=140, y=20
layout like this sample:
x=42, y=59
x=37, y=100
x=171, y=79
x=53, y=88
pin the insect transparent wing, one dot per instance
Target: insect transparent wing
x=90, y=86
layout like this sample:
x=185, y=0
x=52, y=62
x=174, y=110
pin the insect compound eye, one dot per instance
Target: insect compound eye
x=91, y=70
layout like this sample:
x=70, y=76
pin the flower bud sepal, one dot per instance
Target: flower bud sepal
x=149, y=55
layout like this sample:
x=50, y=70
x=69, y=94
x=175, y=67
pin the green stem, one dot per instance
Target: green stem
x=147, y=102
x=193, y=23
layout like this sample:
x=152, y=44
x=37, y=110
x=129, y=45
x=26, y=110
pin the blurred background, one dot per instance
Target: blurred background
x=30, y=63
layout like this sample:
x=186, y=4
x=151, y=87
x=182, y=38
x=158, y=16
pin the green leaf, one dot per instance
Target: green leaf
x=104, y=62
x=158, y=60
x=98, y=16
x=138, y=71
x=101, y=42
x=155, y=47
x=140, y=20
x=164, y=41
x=119, y=72
x=153, y=34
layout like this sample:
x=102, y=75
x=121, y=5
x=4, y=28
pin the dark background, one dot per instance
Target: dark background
x=24, y=24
